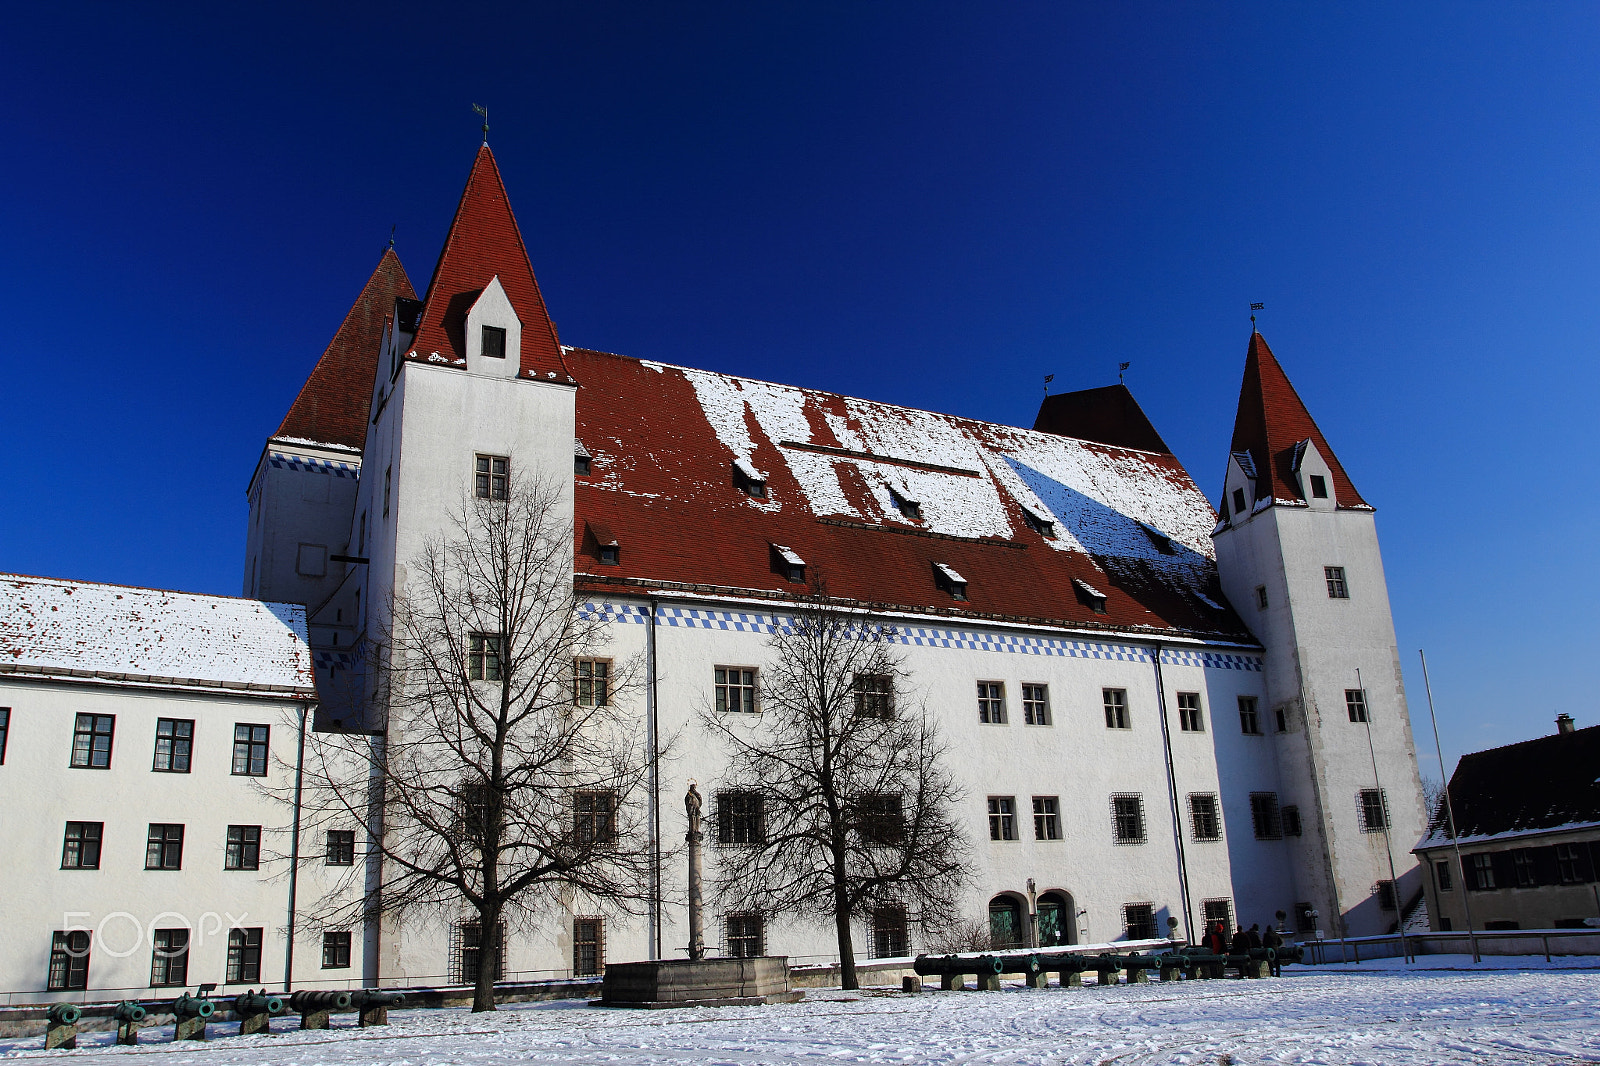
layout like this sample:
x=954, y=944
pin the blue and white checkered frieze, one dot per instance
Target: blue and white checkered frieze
x=304, y=464
x=335, y=660
x=928, y=637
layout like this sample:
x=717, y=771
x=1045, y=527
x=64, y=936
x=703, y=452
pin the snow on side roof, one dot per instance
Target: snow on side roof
x=74, y=628
x=1088, y=588
x=788, y=556
x=950, y=575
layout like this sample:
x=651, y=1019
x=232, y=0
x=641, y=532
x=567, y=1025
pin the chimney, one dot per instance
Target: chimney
x=1564, y=723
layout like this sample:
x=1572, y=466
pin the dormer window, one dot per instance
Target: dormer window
x=1089, y=596
x=1160, y=540
x=581, y=460
x=1040, y=522
x=1239, y=504
x=1319, y=487
x=908, y=508
x=494, y=342
x=607, y=550
x=749, y=480
x=789, y=564
x=950, y=581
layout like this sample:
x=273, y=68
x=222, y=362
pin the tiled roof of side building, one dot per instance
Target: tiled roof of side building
x=1271, y=421
x=871, y=496
x=484, y=242
x=81, y=629
x=1537, y=785
x=332, y=405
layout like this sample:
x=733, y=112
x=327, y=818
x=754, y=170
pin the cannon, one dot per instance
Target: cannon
x=1291, y=953
x=1203, y=962
x=314, y=1007
x=255, y=1010
x=1175, y=966
x=61, y=1026
x=128, y=1015
x=190, y=1014
x=1068, y=967
x=952, y=970
x=1106, y=965
x=1138, y=967
x=373, y=1005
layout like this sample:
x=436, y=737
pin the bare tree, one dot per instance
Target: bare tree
x=844, y=804
x=1433, y=797
x=505, y=777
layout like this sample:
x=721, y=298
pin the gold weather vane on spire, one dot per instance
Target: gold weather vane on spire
x=484, y=111
x=1253, y=309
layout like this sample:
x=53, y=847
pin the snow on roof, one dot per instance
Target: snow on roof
x=950, y=575
x=788, y=556
x=84, y=629
x=578, y=448
x=1090, y=589
x=747, y=470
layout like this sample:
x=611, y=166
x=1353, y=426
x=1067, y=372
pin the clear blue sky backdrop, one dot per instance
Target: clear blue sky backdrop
x=928, y=204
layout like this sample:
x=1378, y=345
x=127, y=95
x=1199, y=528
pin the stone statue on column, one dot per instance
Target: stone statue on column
x=697, y=941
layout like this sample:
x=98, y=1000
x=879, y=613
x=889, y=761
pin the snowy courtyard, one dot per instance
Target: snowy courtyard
x=1377, y=1014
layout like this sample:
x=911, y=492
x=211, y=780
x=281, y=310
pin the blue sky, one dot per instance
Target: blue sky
x=928, y=204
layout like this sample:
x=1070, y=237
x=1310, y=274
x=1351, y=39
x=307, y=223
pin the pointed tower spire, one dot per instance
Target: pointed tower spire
x=484, y=243
x=332, y=405
x=1270, y=426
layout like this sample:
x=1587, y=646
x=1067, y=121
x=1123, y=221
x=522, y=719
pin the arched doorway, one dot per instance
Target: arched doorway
x=1058, y=923
x=1005, y=923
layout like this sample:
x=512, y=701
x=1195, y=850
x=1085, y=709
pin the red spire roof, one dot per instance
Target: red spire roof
x=333, y=403
x=1271, y=421
x=484, y=242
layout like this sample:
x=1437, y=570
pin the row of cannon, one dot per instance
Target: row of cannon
x=254, y=1011
x=1186, y=963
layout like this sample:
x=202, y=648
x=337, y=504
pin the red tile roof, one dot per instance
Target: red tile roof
x=1108, y=414
x=665, y=442
x=333, y=404
x=484, y=242
x=1271, y=421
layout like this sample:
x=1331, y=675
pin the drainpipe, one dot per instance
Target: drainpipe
x=1172, y=796
x=294, y=850
x=653, y=740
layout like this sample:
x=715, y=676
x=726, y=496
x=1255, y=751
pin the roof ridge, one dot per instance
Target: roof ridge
x=44, y=579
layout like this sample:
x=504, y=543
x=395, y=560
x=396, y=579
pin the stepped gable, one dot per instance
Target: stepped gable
x=484, y=242
x=1540, y=784
x=1272, y=420
x=1109, y=415
x=333, y=403
x=671, y=449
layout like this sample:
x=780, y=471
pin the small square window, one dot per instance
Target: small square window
x=1291, y=821
x=1249, y=718
x=591, y=682
x=582, y=465
x=950, y=581
x=1261, y=597
x=494, y=342
x=80, y=848
x=740, y=818
x=1041, y=525
x=881, y=819
x=489, y=476
x=992, y=702
x=595, y=814
x=1002, y=818
x=484, y=651
x=1571, y=869
x=746, y=936
x=1218, y=910
x=1337, y=589
x=874, y=695
x=341, y=847
x=1374, y=808
x=174, y=744
x=909, y=509
x=735, y=689
x=1047, y=818
x=250, y=750
x=1203, y=817
x=244, y=848
x=1139, y=921
x=1355, y=704
x=1319, y=487
x=164, y=847
x=610, y=555
x=336, y=950
x=1191, y=719
x=91, y=741
x=1265, y=816
x=1115, y=701
x=1240, y=506
x=1388, y=897
x=1127, y=818
x=1035, y=705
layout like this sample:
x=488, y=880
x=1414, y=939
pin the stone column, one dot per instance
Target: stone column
x=695, y=838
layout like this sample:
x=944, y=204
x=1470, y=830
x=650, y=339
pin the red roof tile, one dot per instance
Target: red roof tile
x=665, y=442
x=1271, y=421
x=484, y=242
x=1108, y=414
x=332, y=405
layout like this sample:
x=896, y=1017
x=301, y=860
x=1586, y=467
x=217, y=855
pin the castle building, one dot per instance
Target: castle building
x=1156, y=710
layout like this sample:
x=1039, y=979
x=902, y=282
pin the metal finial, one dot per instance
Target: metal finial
x=484, y=111
x=391, y=235
x=1048, y=378
x=1253, y=309
x=1122, y=368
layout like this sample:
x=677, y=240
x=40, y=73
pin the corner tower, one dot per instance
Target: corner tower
x=1297, y=553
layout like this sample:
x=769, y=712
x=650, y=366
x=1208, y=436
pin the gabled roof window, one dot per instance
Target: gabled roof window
x=1246, y=463
x=907, y=507
x=1240, y=505
x=786, y=562
x=607, y=550
x=1319, y=487
x=950, y=581
x=1041, y=522
x=749, y=480
x=1162, y=542
x=1090, y=596
x=582, y=461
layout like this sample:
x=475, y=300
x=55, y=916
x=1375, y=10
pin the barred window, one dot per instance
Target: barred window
x=1139, y=921
x=169, y=959
x=484, y=651
x=736, y=689
x=341, y=847
x=91, y=741
x=992, y=702
x=1249, y=718
x=1002, y=818
x=244, y=848
x=1204, y=820
x=591, y=682
x=874, y=695
x=880, y=818
x=1218, y=910
x=1190, y=718
x=80, y=849
x=490, y=472
x=244, y=955
x=746, y=936
x=740, y=818
x=889, y=939
x=1035, y=705
x=588, y=947
x=1355, y=704
x=469, y=953
x=596, y=816
x=174, y=744
x=1265, y=817
x=336, y=950
x=1116, y=704
x=1374, y=806
x=1047, y=818
x=250, y=750
x=1127, y=818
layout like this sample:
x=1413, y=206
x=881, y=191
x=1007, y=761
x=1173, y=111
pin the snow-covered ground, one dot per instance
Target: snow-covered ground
x=1386, y=1014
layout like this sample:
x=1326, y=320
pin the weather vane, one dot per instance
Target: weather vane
x=1048, y=378
x=484, y=111
x=1122, y=368
x=391, y=236
x=1253, y=309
